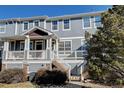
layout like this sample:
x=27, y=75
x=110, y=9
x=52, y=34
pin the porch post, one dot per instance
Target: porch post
x=5, y=49
x=47, y=42
x=50, y=47
x=57, y=48
x=27, y=46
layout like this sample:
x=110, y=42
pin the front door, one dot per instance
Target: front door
x=40, y=45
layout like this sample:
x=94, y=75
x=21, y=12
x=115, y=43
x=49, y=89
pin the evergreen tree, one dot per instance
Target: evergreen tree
x=106, y=48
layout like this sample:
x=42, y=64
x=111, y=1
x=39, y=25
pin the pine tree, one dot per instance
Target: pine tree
x=106, y=48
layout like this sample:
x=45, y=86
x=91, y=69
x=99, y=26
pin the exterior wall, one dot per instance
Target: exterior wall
x=10, y=30
x=9, y=66
x=76, y=29
x=11, y=27
x=31, y=25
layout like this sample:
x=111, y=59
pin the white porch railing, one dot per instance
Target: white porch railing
x=15, y=54
x=44, y=54
x=37, y=54
x=78, y=54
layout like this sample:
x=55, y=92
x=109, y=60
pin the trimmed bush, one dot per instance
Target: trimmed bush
x=50, y=77
x=11, y=76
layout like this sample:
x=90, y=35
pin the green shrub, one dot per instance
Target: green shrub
x=10, y=76
x=50, y=77
x=119, y=81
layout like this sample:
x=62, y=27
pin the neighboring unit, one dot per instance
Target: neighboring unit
x=36, y=41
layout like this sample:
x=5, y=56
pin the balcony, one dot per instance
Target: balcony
x=45, y=55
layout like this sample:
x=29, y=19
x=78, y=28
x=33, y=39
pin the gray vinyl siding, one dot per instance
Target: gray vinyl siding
x=76, y=28
x=9, y=31
x=11, y=66
x=75, y=31
x=34, y=67
x=10, y=28
x=76, y=44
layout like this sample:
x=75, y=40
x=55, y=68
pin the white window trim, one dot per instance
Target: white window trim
x=57, y=26
x=83, y=23
x=23, y=25
x=36, y=21
x=4, y=29
x=44, y=24
x=69, y=25
x=64, y=46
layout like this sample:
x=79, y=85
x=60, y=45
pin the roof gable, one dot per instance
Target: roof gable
x=37, y=31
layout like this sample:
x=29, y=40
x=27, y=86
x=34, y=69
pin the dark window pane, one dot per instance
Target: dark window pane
x=54, y=25
x=66, y=24
x=25, y=26
x=36, y=23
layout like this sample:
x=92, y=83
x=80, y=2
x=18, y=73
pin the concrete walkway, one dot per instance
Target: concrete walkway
x=89, y=85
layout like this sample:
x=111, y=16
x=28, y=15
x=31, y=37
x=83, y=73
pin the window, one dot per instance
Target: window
x=31, y=45
x=66, y=24
x=40, y=45
x=97, y=21
x=36, y=23
x=12, y=46
x=86, y=22
x=54, y=25
x=2, y=28
x=65, y=46
x=25, y=25
x=22, y=45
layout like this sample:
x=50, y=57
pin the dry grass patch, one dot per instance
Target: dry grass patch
x=18, y=85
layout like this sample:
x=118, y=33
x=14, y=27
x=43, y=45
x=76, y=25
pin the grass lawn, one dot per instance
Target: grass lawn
x=18, y=85
x=68, y=85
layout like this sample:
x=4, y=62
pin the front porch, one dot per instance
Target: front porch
x=37, y=44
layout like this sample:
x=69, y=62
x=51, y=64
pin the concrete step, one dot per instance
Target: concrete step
x=75, y=78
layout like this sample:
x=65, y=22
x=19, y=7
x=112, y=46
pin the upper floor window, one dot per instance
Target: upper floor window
x=26, y=26
x=66, y=24
x=36, y=23
x=2, y=28
x=86, y=22
x=54, y=25
x=97, y=21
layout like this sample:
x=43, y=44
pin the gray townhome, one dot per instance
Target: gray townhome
x=36, y=41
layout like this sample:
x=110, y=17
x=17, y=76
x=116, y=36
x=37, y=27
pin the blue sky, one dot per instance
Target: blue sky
x=53, y=10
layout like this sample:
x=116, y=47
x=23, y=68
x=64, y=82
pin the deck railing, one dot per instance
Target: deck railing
x=15, y=54
x=37, y=54
x=46, y=54
x=78, y=54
